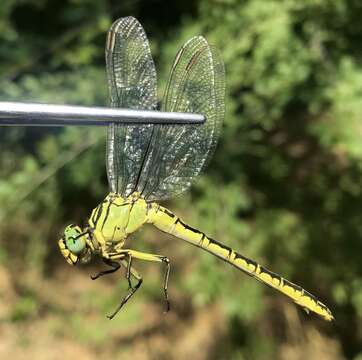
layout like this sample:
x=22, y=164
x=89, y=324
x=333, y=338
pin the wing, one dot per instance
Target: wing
x=196, y=84
x=132, y=84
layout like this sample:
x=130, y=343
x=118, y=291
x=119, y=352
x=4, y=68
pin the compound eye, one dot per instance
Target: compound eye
x=74, y=239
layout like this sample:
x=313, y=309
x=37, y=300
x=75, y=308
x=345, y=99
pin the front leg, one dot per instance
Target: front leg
x=115, y=266
x=133, y=254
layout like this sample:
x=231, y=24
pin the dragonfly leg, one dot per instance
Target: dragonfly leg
x=115, y=266
x=130, y=271
x=149, y=257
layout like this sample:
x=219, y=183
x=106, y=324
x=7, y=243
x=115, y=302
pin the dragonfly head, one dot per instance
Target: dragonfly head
x=73, y=245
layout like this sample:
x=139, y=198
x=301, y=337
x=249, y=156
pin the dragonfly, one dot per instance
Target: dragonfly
x=154, y=162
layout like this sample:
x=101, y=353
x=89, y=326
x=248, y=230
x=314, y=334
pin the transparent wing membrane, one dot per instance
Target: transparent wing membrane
x=160, y=161
x=132, y=84
x=196, y=84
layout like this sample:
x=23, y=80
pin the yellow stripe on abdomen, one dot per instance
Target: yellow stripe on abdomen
x=167, y=222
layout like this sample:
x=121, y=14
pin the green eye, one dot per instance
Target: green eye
x=73, y=239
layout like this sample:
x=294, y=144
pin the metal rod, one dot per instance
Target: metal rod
x=31, y=114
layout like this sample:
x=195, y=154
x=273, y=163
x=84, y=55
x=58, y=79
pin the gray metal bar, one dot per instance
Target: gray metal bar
x=31, y=114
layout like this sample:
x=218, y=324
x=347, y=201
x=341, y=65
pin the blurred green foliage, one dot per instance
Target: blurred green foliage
x=284, y=186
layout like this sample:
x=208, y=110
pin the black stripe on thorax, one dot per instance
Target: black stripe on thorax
x=97, y=214
x=110, y=203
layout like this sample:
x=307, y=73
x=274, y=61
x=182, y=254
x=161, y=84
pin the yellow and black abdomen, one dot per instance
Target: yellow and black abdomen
x=164, y=220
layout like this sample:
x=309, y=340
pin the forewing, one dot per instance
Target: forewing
x=196, y=84
x=132, y=84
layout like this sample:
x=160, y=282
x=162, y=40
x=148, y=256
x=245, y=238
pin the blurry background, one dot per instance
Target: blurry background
x=284, y=186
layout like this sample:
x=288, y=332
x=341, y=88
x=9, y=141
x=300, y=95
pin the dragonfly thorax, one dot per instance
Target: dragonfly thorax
x=116, y=217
